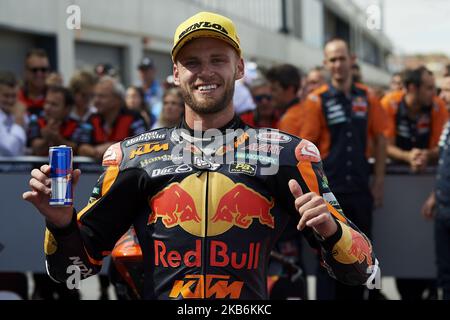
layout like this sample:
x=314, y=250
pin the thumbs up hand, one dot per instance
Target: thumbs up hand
x=313, y=211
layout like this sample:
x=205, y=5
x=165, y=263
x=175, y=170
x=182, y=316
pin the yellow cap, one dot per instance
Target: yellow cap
x=205, y=25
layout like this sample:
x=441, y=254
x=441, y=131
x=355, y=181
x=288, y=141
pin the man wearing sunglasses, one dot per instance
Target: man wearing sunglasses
x=32, y=94
x=263, y=116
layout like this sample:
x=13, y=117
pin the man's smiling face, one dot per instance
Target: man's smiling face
x=206, y=70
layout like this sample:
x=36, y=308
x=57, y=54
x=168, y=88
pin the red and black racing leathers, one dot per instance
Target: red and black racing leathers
x=206, y=226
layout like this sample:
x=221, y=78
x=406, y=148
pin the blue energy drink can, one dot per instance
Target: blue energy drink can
x=61, y=176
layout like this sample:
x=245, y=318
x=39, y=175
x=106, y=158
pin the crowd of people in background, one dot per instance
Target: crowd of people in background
x=328, y=105
x=94, y=111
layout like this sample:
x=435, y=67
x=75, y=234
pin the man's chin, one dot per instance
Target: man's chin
x=205, y=103
x=208, y=104
x=206, y=109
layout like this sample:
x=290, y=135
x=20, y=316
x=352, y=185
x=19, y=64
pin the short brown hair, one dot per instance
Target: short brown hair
x=80, y=81
x=414, y=76
x=286, y=75
x=68, y=98
x=174, y=92
x=8, y=79
x=337, y=39
x=38, y=52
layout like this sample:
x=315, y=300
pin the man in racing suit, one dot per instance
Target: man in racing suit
x=206, y=225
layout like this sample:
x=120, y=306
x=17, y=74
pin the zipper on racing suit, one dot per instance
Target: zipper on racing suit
x=205, y=241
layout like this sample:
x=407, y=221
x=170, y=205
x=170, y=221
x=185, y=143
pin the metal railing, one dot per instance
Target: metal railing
x=27, y=163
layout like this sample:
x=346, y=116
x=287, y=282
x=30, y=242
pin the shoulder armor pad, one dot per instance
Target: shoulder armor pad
x=307, y=151
x=112, y=156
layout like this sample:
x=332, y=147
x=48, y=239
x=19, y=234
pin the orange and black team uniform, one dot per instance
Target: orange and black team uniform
x=423, y=132
x=206, y=229
x=344, y=127
x=290, y=119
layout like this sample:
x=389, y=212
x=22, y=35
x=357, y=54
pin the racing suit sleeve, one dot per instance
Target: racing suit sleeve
x=347, y=255
x=93, y=232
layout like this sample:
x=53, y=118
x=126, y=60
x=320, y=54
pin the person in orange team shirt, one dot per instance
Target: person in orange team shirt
x=347, y=124
x=416, y=117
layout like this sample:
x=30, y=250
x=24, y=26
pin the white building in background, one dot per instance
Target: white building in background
x=120, y=32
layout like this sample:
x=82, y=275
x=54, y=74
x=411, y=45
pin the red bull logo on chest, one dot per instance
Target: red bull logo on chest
x=226, y=204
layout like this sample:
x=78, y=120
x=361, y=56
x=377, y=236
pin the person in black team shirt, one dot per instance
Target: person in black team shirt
x=205, y=227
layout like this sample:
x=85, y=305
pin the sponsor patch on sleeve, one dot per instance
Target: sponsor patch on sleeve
x=307, y=151
x=145, y=137
x=330, y=198
x=112, y=156
x=273, y=136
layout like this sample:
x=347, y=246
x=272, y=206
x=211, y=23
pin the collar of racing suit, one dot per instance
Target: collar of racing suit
x=214, y=139
x=234, y=123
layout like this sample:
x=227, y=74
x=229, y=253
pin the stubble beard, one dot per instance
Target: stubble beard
x=210, y=105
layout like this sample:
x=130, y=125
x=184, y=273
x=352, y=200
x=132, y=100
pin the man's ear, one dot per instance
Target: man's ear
x=176, y=79
x=240, y=69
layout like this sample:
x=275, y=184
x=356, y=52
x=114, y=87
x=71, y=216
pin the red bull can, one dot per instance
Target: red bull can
x=61, y=176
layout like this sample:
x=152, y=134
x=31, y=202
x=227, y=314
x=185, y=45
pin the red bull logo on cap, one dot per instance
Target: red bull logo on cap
x=228, y=204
